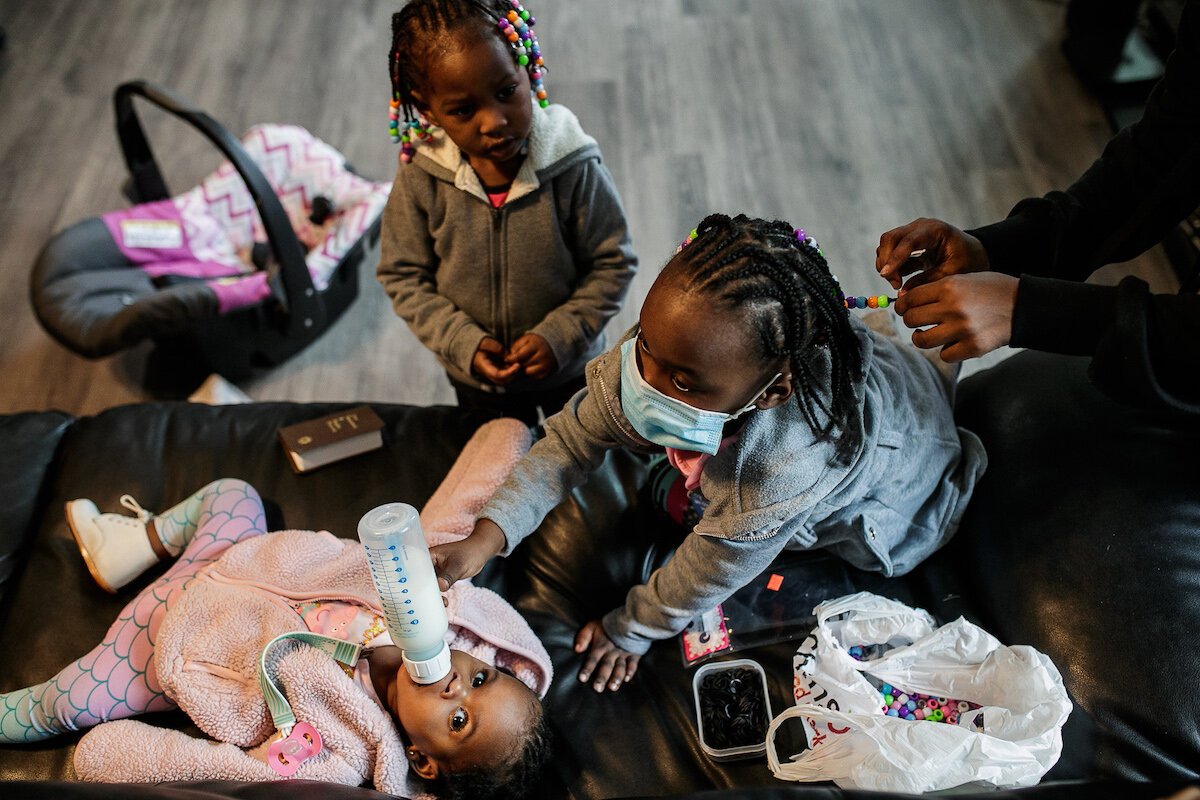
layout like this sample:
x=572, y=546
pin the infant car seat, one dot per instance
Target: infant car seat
x=219, y=272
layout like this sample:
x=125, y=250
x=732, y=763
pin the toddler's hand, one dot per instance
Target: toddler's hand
x=490, y=362
x=609, y=665
x=456, y=561
x=534, y=354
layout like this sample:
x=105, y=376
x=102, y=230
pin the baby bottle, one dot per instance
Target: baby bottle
x=403, y=573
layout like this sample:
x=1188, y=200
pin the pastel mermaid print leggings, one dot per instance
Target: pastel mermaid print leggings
x=118, y=678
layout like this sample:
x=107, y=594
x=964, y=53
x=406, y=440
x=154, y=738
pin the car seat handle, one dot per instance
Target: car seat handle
x=292, y=284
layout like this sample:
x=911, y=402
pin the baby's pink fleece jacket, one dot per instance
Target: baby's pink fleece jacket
x=210, y=640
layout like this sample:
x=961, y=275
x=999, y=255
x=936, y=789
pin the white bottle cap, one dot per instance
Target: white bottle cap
x=429, y=670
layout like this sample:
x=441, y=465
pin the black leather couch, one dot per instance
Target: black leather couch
x=1083, y=540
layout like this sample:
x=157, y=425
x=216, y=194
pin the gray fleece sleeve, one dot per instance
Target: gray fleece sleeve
x=703, y=572
x=603, y=254
x=576, y=441
x=408, y=272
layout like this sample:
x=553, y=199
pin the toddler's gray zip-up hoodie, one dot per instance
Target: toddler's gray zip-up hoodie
x=555, y=259
x=899, y=499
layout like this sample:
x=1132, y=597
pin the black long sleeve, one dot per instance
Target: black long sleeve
x=1145, y=348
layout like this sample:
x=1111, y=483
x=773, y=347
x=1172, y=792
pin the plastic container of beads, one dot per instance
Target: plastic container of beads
x=733, y=709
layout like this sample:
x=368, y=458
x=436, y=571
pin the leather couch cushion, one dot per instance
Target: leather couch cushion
x=30, y=441
x=1081, y=541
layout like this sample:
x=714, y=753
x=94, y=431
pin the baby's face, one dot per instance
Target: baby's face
x=473, y=717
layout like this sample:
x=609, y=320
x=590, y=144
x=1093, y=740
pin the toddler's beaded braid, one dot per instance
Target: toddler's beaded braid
x=418, y=27
x=781, y=279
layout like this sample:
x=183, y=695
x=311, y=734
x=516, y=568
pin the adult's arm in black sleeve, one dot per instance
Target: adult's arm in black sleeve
x=1145, y=348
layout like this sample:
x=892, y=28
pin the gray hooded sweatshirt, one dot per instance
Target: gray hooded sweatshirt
x=898, y=500
x=554, y=260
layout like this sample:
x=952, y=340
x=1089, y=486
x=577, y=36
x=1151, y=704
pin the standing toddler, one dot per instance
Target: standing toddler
x=504, y=245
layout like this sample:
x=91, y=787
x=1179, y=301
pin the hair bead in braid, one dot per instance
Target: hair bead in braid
x=418, y=30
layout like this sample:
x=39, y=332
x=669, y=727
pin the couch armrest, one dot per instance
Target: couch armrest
x=30, y=442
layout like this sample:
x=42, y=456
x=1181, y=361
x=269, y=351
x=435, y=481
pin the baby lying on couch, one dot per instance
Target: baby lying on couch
x=192, y=638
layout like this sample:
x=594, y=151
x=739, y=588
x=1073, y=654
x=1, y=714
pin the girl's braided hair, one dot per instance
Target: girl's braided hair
x=420, y=28
x=794, y=309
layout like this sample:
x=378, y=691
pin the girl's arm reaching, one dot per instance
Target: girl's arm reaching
x=703, y=572
x=576, y=440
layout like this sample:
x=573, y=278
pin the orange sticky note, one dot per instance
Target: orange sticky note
x=775, y=581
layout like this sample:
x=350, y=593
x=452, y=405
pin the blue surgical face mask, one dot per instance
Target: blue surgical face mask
x=667, y=421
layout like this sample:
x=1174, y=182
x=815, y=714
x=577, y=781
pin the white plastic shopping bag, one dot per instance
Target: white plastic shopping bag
x=1017, y=691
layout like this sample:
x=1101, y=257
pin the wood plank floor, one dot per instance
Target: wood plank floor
x=845, y=116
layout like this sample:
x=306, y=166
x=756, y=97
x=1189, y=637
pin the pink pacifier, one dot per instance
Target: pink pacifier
x=286, y=755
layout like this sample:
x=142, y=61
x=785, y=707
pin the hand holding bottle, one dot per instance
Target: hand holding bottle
x=456, y=561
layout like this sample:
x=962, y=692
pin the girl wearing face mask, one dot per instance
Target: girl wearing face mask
x=793, y=424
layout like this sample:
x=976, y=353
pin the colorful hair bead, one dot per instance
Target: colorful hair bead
x=867, y=301
x=691, y=237
x=405, y=125
x=803, y=238
x=517, y=27
x=415, y=130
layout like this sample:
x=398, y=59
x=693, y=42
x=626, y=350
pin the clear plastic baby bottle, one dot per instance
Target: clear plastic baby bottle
x=407, y=586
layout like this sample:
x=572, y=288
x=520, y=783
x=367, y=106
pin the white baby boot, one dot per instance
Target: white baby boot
x=116, y=548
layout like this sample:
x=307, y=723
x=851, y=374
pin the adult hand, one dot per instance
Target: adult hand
x=456, y=561
x=533, y=354
x=970, y=314
x=490, y=363
x=948, y=251
x=607, y=665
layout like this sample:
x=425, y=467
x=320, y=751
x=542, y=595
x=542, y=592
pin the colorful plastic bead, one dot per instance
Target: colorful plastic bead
x=886, y=688
x=938, y=716
x=883, y=301
x=963, y=706
x=872, y=302
x=889, y=698
x=893, y=712
x=919, y=713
